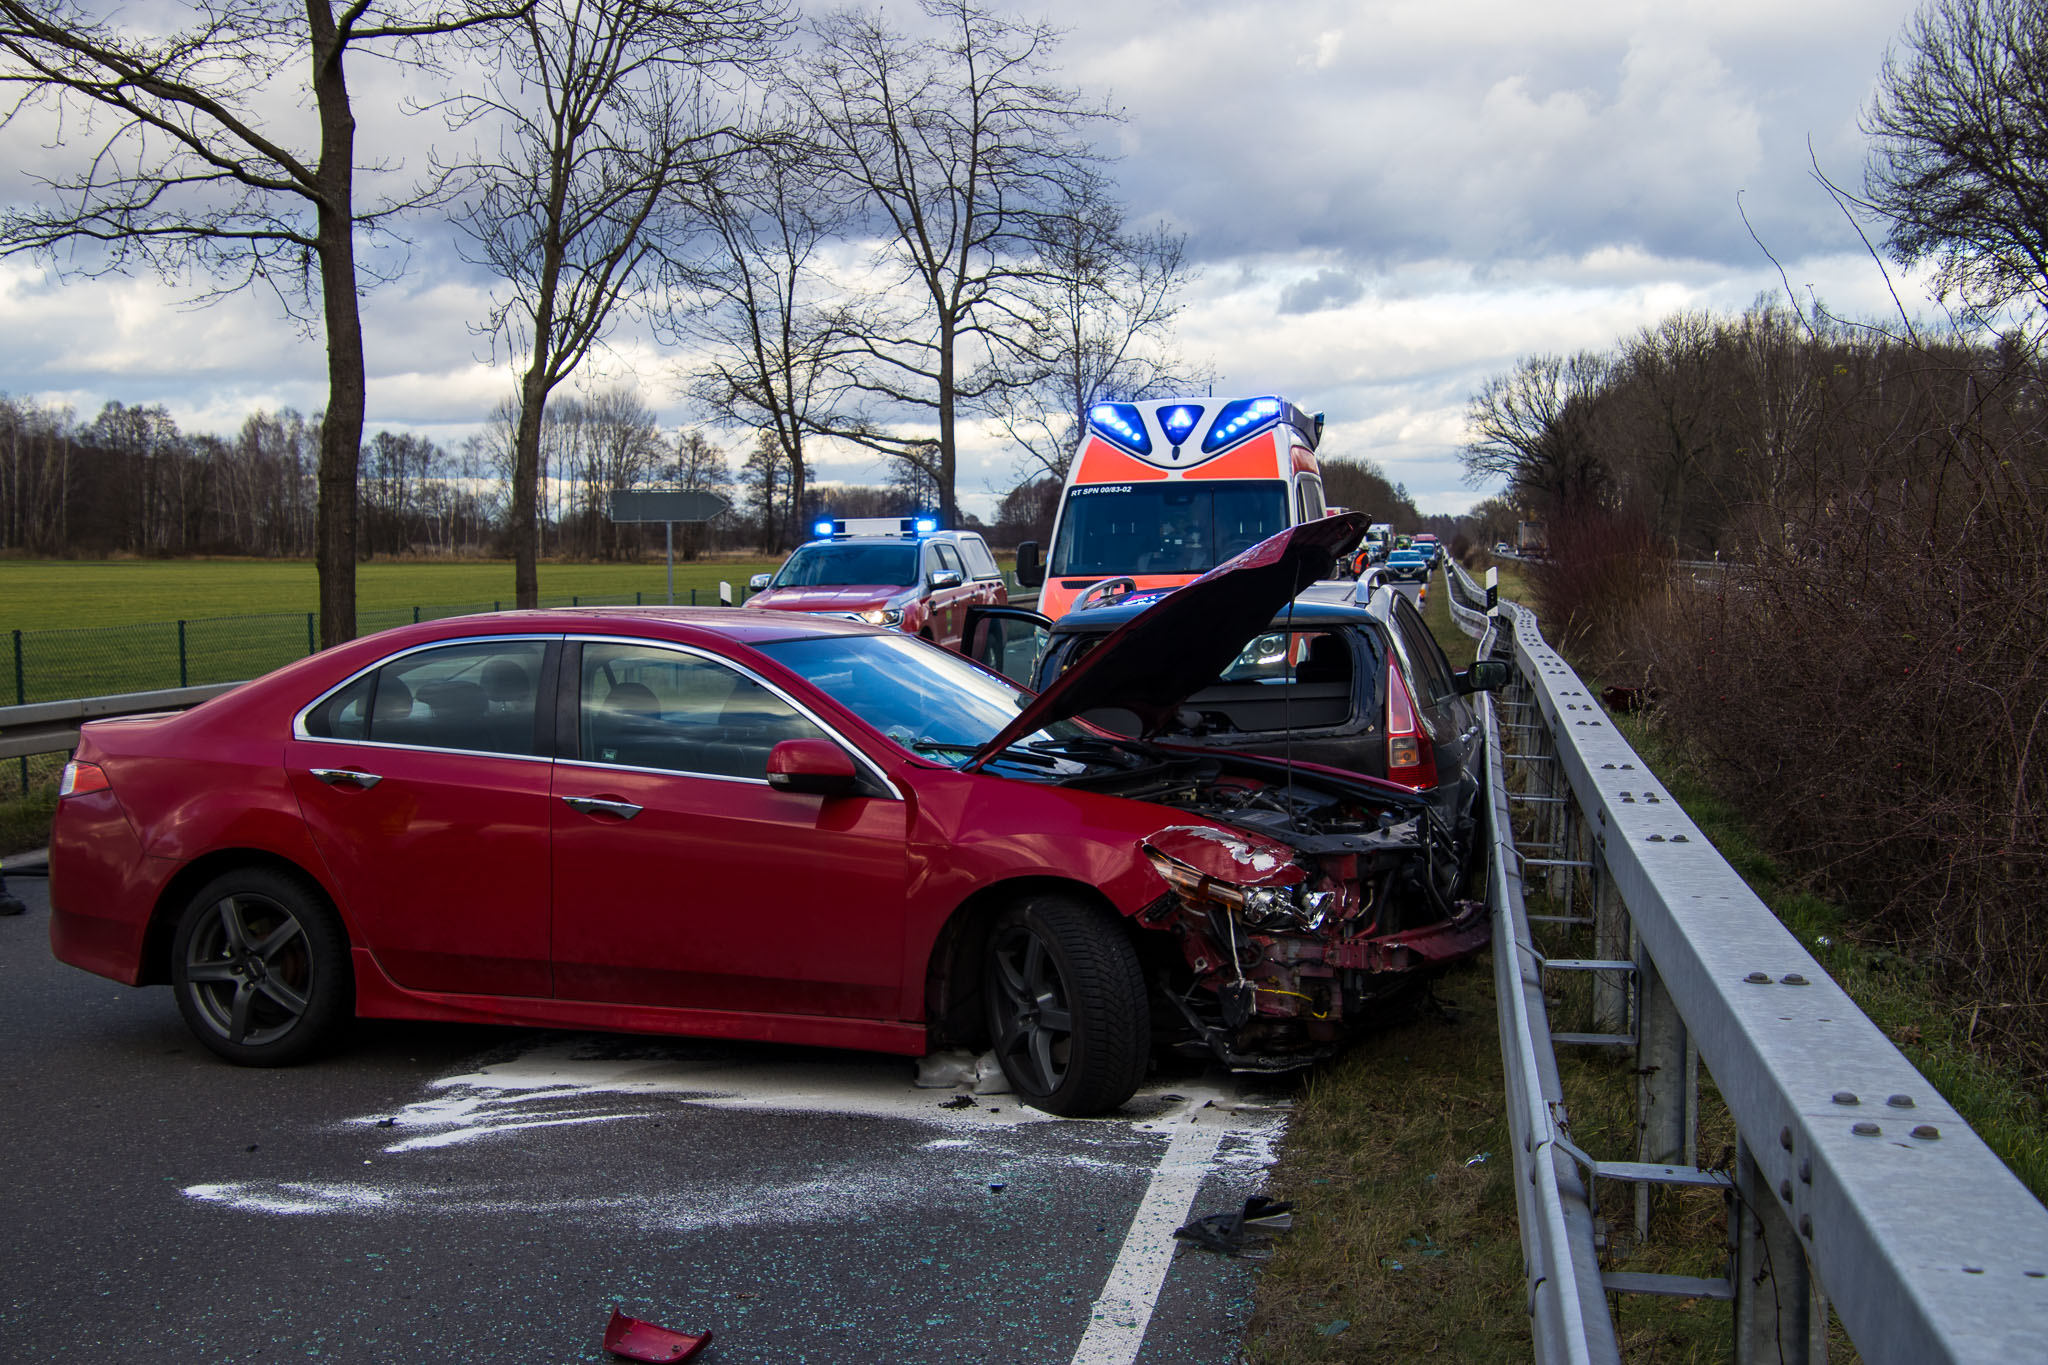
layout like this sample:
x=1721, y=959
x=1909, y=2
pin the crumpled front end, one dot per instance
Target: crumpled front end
x=1292, y=931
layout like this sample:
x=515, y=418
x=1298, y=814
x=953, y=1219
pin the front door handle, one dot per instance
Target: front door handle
x=591, y=805
x=335, y=777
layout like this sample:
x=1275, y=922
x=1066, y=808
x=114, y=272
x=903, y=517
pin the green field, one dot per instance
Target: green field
x=92, y=628
x=43, y=594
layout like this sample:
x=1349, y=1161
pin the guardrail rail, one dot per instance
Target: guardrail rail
x=1855, y=1185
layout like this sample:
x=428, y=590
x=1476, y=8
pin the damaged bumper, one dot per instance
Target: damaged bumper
x=1285, y=957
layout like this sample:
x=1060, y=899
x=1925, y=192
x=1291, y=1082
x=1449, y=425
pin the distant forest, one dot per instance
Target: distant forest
x=130, y=482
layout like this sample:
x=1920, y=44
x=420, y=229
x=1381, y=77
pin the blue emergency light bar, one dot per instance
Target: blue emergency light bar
x=847, y=528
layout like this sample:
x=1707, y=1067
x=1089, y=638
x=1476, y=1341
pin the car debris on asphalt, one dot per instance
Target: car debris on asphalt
x=637, y=1339
x=1228, y=1233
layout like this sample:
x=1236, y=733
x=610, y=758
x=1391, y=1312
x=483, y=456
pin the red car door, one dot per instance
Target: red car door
x=682, y=879
x=425, y=791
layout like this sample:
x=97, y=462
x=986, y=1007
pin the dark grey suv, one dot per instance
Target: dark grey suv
x=1360, y=686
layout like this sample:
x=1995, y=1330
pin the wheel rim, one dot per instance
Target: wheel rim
x=1035, y=1031
x=249, y=969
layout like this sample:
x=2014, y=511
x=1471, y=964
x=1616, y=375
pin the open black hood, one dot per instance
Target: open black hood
x=1159, y=658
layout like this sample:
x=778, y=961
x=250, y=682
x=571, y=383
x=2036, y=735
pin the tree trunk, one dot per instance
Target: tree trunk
x=525, y=524
x=949, y=505
x=341, y=433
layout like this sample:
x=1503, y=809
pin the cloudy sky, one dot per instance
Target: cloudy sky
x=1388, y=202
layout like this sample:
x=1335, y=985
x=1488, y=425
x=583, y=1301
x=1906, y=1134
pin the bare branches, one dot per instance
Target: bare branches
x=605, y=110
x=1959, y=162
x=963, y=154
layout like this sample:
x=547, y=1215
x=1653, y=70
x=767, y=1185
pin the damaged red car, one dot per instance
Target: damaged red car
x=755, y=825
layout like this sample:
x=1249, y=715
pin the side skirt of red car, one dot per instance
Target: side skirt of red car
x=379, y=997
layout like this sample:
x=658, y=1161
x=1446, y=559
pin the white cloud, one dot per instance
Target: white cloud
x=1391, y=200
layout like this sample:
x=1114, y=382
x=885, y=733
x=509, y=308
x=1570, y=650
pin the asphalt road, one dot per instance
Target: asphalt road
x=443, y=1193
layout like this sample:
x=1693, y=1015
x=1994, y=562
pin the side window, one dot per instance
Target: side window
x=1312, y=507
x=949, y=561
x=479, y=696
x=980, y=563
x=647, y=707
x=1429, y=659
x=346, y=714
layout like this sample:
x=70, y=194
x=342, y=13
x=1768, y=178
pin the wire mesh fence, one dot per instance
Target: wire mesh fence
x=97, y=661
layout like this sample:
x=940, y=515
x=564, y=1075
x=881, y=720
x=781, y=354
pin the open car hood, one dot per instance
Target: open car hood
x=1159, y=658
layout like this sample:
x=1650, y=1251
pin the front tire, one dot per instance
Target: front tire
x=1066, y=1006
x=260, y=967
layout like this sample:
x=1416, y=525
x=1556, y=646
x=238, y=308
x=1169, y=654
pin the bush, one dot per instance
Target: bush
x=1602, y=584
x=1875, y=692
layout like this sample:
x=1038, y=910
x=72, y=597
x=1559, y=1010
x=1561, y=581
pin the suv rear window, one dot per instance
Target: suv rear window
x=980, y=563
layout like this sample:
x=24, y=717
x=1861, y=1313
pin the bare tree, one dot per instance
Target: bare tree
x=1536, y=427
x=1959, y=157
x=698, y=466
x=764, y=318
x=187, y=174
x=600, y=110
x=1106, y=300
x=958, y=150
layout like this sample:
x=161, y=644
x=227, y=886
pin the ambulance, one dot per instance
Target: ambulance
x=1159, y=493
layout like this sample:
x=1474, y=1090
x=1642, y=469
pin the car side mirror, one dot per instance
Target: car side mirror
x=1030, y=572
x=812, y=767
x=941, y=579
x=1486, y=675
x=759, y=581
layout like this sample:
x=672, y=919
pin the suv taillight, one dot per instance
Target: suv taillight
x=1411, y=758
x=80, y=778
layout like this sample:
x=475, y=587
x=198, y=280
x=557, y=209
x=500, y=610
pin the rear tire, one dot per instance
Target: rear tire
x=260, y=967
x=1067, y=1007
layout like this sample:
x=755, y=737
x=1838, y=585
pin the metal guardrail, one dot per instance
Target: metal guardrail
x=45, y=727
x=1855, y=1183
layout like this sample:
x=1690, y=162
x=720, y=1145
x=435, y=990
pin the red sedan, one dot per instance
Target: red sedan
x=751, y=825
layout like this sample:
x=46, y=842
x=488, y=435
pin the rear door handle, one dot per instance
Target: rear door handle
x=335, y=777
x=591, y=805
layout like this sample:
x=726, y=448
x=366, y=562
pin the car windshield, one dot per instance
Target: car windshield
x=926, y=700
x=1165, y=527
x=847, y=563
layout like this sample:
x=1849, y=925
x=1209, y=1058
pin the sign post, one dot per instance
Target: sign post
x=1493, y=591
x=668, y=506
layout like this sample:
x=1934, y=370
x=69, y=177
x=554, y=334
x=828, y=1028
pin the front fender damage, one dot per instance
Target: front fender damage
x=1285, y=951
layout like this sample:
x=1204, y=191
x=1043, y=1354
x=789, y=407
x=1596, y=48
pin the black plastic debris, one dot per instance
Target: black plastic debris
x=958, y=1102
x=1229, y=1232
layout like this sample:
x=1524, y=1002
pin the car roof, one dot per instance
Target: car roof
x=1327, y=603
x=682, y=625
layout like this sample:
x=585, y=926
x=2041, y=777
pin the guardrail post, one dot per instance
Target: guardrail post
x=1610, y=941
x=1779, y=1316
x=20, y=699
x=184, y=673
x=1667, y=1075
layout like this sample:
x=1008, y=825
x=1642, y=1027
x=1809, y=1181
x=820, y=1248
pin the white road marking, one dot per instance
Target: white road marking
x=1123, y=1311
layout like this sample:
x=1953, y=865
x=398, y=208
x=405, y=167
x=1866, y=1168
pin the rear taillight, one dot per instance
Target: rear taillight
x=80, y=778
x=1411, y=758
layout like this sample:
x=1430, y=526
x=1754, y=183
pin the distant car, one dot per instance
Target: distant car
x=1407, y=566
x=752, y=824
x=887, y=571
x=1503, y=548
x=1335, y=681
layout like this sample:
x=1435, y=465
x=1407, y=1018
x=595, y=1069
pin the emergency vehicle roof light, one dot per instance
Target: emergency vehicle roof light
x=1238, y=420
x=1180, y=422
x=1123, y=424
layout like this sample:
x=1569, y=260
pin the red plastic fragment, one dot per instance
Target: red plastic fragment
x=638, y=1340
